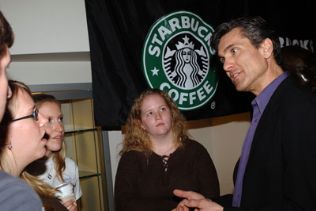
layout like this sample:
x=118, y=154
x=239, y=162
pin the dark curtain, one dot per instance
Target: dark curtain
x=117, y=31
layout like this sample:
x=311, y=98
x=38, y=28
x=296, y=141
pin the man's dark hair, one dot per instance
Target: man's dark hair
x=256, y=29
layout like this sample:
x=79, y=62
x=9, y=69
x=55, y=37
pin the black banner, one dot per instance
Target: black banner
x=121, y=32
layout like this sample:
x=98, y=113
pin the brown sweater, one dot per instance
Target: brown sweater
x=146, y=183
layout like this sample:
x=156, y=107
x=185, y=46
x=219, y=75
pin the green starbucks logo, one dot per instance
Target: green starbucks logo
x=176, y=59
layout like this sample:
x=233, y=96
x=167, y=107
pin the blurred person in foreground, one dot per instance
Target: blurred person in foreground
x=15, y=194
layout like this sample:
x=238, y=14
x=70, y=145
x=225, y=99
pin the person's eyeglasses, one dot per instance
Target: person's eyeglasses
x=34, y=115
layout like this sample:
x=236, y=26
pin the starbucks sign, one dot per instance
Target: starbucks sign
x=176, y=59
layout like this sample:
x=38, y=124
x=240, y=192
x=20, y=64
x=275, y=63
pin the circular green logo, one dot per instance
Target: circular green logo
x=176, y=59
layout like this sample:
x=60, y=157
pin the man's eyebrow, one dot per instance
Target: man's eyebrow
x=228, y=47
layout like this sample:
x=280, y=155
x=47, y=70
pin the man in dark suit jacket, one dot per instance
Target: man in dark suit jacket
x=277, y=167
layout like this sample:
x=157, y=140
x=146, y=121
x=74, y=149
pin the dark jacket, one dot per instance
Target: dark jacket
x=281, y=170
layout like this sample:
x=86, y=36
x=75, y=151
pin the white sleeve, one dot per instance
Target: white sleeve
x=71, y=174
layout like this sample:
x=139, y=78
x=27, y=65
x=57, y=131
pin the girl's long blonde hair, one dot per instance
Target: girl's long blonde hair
x=58, y=156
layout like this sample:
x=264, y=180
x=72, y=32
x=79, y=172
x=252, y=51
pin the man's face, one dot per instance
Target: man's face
x=5, y=59
x=244, y=64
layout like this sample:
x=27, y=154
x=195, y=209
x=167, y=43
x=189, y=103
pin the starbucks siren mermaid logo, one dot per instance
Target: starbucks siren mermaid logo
x=187, y=73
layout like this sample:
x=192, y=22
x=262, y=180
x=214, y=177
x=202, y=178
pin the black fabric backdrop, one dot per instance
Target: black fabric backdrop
x=117, y=30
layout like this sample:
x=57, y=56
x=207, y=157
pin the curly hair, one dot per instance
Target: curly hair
x=256, y=29
x=135, y=138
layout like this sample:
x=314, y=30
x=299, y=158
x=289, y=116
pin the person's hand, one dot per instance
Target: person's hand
x=195, y=200
x=181, y=207
x=71, y=205
x=187, y=194
x=198, y=205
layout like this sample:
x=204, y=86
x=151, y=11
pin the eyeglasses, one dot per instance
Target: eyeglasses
x=34, y=115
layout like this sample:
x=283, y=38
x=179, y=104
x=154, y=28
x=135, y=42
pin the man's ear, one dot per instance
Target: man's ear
x=266, y=47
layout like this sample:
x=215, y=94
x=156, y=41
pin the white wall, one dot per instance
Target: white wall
x=39, y=71
x=223, y=141
x=47, y=26
x=51, y=41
